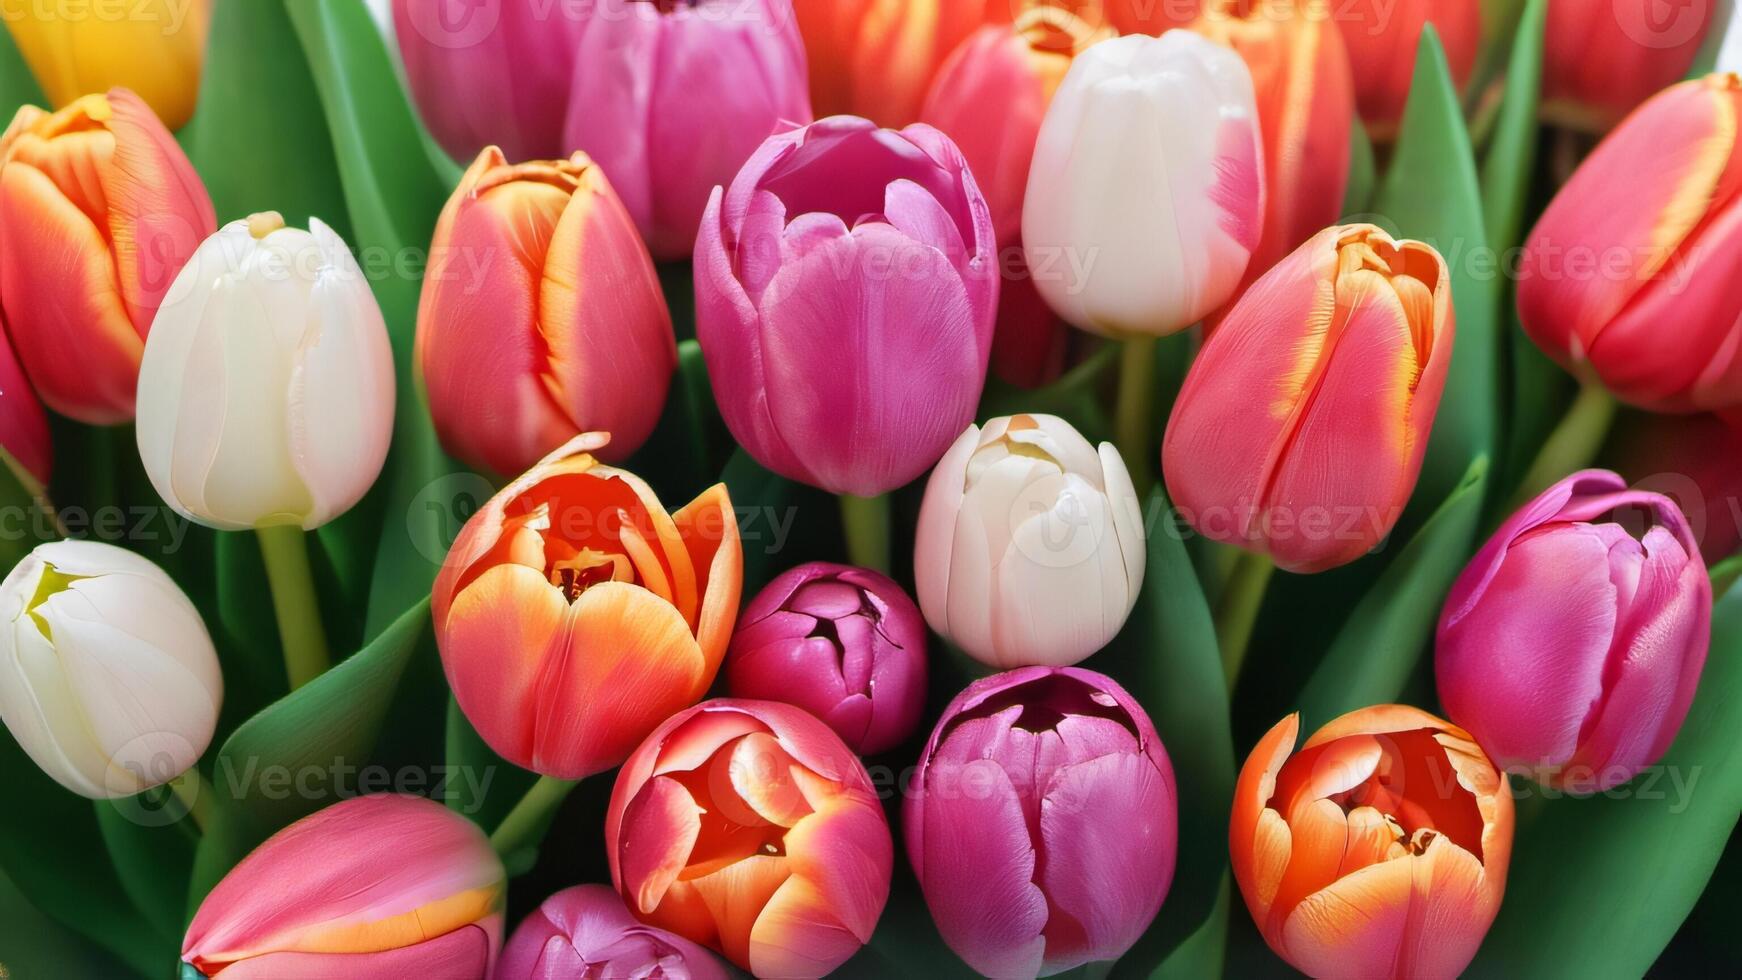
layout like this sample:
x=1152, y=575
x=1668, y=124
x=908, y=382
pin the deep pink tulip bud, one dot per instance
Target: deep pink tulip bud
x=585, y=931
x=845, y=290
x=1571, y=645
x=844, y=643
x=1042, y=822
x=672, y=98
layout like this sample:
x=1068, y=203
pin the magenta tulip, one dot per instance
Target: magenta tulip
x=845, y=289
x=585, y=931
x=844, y=643
x=1571, y=646
x=1042, y=822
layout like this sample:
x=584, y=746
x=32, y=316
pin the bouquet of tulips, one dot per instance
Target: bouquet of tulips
x=693, y=488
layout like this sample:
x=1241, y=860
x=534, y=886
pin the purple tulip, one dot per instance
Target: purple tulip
x=672, y=98
x=845, y=289
x=1042, y=822
x=585, y=931
x=844, y=643
x=1571, y=646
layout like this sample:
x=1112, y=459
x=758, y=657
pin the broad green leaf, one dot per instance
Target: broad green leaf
x=38, y=946
x=1511, y=157
x=17, y=85
x=1363, y=172
x=1200, y=954
x=150, y=840
x=483, y=785
x=780, y=523
x=29, y=522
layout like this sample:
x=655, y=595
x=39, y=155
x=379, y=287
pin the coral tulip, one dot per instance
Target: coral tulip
x=1381, y=40
x=1150, y=16
x=748, y=827
x=846, y=285
x=661, y=101
x=1302, y=425
x=1043, y=821
x=541, y=317
x=1601, y=58
x=24, y=445
x=153, y=47
x=1627, y=280
x=844, y=643
x=99, y=210
x=1146, y=194
x=266, y=388
x=574, y=614
x=376, y=886
x=1379, y=849
x=1572, y=644
x=585, y=931
x=876, y=58
x=1695, y=460
x=1030, y=543
x=108, y=679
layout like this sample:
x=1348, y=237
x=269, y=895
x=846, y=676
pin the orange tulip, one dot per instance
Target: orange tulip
x=876, y=58
x=574, y=614
x=1378, y=850
x=99, y=211
x=1382, y=39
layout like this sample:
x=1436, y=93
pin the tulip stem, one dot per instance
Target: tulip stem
x=1572, y=445
x=194, y=793
x=865, y=522
x=1133, y=420
x=1237, y=613
x=293, y=598
x=527, y=823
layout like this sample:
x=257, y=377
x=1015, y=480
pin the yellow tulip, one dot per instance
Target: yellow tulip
x=154, y=47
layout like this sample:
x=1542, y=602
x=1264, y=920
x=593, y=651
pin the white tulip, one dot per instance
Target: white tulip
x=108, y=679
x=1030, y=546
x=266, y=388
x=1146, y=194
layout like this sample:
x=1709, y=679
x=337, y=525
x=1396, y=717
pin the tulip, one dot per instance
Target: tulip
x=844, y=643
x=99, y=210
x=1111, y=252
x=1695, y=460
x=1624, y=280
x=652, y=78
x=619, y=613
x=1150, y=16
x=1601, y=58
x=153, y=47
x=845, y=290
x=748, y=827
x=876, y=58
x=266, y=387
x=1378, y=850
x=108, y=679
x=1571, y=645
x=491, y=73
x=24, y=447
x=1382, y=39
x=585, y=931
x=1042, y=822
x=1030, y=544
x=1301, y=426
x=375, y=886
x=567, y=333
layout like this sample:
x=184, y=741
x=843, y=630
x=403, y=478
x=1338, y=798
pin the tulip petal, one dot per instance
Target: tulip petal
x=497, y=640
x=735, y=896
x=1355, y=926
x=708, y=527
x=464, y=952
x=663, y=822
x=1258, y=839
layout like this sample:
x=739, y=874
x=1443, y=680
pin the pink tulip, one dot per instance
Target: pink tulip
x=1042, y=822
x=845, y=290
x=376, y=886
x=585, y=931
x=748, y=827
x=1571, y=645
x=24, y=445
x=672, y=98
x=844, y=643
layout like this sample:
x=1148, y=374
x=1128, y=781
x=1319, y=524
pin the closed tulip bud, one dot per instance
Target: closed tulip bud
x=1379, y=849
x=1301, y=426
x=619, y=611
x=1571, y=645
x=651, y=76
x=24, y=446
x=748, y=827
x=585, y=931
x=108, y=679
x=1626, y=281
x=153, y=47
x=99, y=210
x=845, y=290
x=1382, y=39
x=1146, y=195
x=266, y=389
x=1042, y=822
x=844, y=643
x=568, y=332
x=876, y=58
x=1030, y=543
x=1601, y=58
x=375, y=886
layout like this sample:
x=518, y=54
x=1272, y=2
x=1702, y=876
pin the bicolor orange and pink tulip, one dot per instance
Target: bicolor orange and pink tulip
x=1382, y=40
x=875, y=58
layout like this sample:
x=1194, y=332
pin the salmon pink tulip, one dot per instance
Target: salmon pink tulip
x=1381, y=40
x=585, y=932
x=1601, y=58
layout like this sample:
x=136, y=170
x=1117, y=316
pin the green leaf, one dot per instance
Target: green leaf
x=18, y=86
x=38, y=946
x=1202, y=953
x=1511, y=158
x=1381, y=643
x=19, y=497
x=1598, y=886
x=1363, y=172
x=1718, y=20
x=151, y=841
x=780, y=523
x=483, y=785
x=684, y=454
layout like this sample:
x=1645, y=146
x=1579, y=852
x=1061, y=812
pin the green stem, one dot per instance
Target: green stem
x=865, y=521
x=527, y=823
x=195, y=795
x=1237, y=612
x=293, y=599
x=1134, y=417
x=1572, y=445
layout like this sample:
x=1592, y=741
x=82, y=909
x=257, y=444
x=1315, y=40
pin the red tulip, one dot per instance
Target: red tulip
x=1601, y=58
x=1382, y=40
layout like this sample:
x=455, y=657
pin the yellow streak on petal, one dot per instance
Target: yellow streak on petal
x=438, y=918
